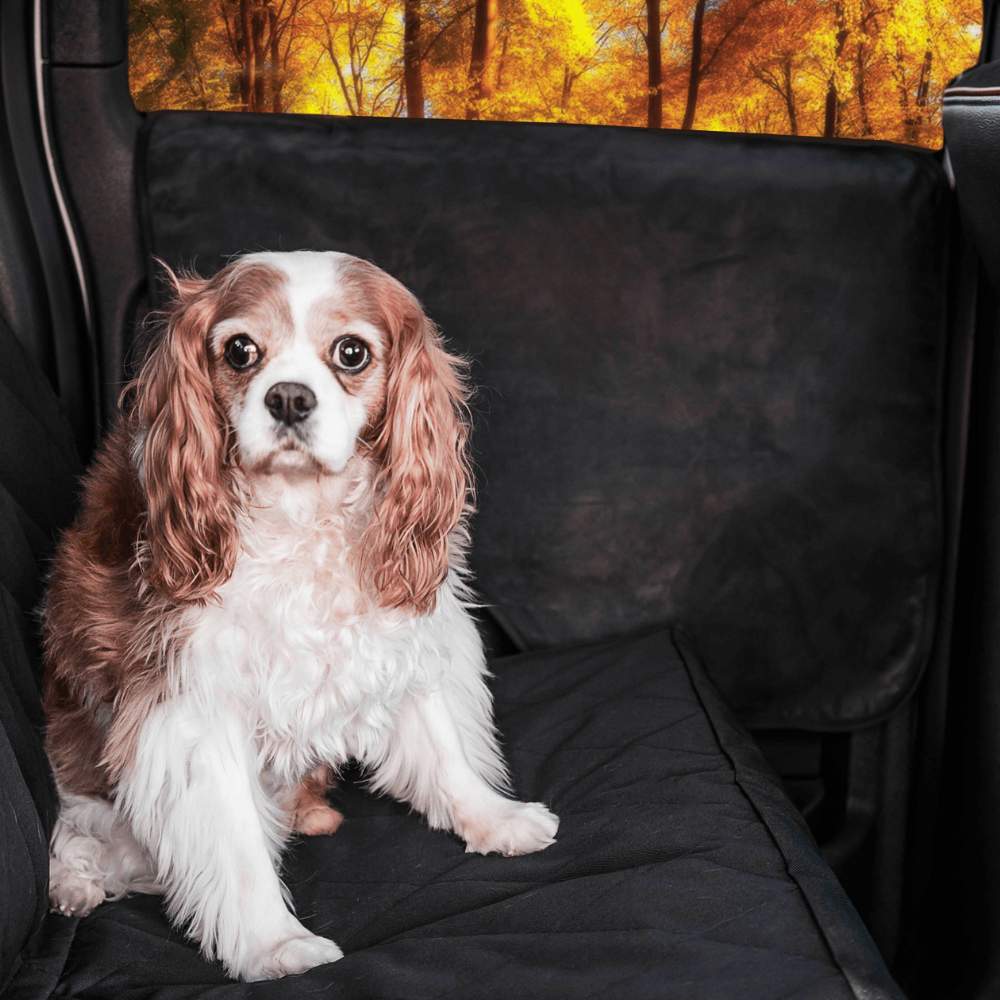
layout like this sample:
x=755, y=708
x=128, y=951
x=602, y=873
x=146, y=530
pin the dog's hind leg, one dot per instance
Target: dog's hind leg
x=312, y=815
x=93, y=856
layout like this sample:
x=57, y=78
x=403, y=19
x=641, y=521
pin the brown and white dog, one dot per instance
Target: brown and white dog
x=268, y=577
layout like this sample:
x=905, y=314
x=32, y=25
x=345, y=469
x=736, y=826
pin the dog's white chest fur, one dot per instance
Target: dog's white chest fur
x=320, y=669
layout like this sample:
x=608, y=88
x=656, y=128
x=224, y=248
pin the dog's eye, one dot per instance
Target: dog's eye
x=351, y=354
x=241, y=352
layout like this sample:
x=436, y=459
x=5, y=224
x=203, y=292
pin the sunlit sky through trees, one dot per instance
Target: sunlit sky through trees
x=850, y=68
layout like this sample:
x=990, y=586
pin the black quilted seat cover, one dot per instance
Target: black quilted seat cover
x=681, y=871
x=710, y=369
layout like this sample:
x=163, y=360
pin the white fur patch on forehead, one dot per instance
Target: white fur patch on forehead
x=318, y=276
x=311, y=275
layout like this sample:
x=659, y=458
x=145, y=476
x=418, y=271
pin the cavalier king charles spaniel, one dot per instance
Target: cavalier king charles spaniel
x=268, y=579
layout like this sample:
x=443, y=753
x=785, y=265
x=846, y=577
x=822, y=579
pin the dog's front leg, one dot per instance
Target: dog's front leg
x=193, y=798
x=453, y=773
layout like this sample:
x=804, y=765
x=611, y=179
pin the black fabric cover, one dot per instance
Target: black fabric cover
x=709, y=369
x=680, y=871
x=38, y=470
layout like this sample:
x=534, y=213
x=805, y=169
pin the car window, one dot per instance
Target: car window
x=835, y=68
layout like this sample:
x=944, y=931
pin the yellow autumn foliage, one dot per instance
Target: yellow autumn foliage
x=839, y=68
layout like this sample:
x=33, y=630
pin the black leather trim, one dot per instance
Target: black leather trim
x=64, y=330
x=87, y=32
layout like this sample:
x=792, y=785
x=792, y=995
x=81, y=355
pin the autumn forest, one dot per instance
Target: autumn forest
x=835, y=68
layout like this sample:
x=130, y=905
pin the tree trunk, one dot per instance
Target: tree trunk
x=654, y=62
x=830, y=113
x=260, y=59
x=277, y=70
x=861, y=91
x=484, y=36
x=909, y=119
x=793, y=119
x=502, y=61
x=567, y=88
x=413, y=70
x=924, y=83
x=694, y=77
x=923, y=93
x=248, y=78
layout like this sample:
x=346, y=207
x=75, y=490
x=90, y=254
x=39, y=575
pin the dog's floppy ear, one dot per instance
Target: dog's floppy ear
x=190, y=540
x=423, y=485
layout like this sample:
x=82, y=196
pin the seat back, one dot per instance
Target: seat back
x=710, y=369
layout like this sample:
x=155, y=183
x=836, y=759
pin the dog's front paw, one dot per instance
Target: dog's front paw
x=290, y=957
x=72, y=894
x=509, y=828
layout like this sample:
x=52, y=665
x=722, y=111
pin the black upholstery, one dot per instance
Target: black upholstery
x=38, y=472
x=961, y=916
x=715, y=388
x=711, y=369
x=43, y=349
x=680, y=870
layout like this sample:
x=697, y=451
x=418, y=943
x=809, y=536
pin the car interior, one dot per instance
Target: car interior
x=737, y=541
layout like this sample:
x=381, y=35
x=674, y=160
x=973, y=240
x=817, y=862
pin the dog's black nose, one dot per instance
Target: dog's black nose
x=290, y=402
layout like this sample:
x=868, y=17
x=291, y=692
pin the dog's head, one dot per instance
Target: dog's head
x=289, y=364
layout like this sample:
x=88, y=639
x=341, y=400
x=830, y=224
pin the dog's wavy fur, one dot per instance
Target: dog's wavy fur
x=244, y=603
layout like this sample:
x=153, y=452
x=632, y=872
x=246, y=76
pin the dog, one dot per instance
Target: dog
x=267, y=579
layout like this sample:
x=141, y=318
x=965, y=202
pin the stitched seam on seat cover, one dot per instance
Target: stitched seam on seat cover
x=858, y=990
